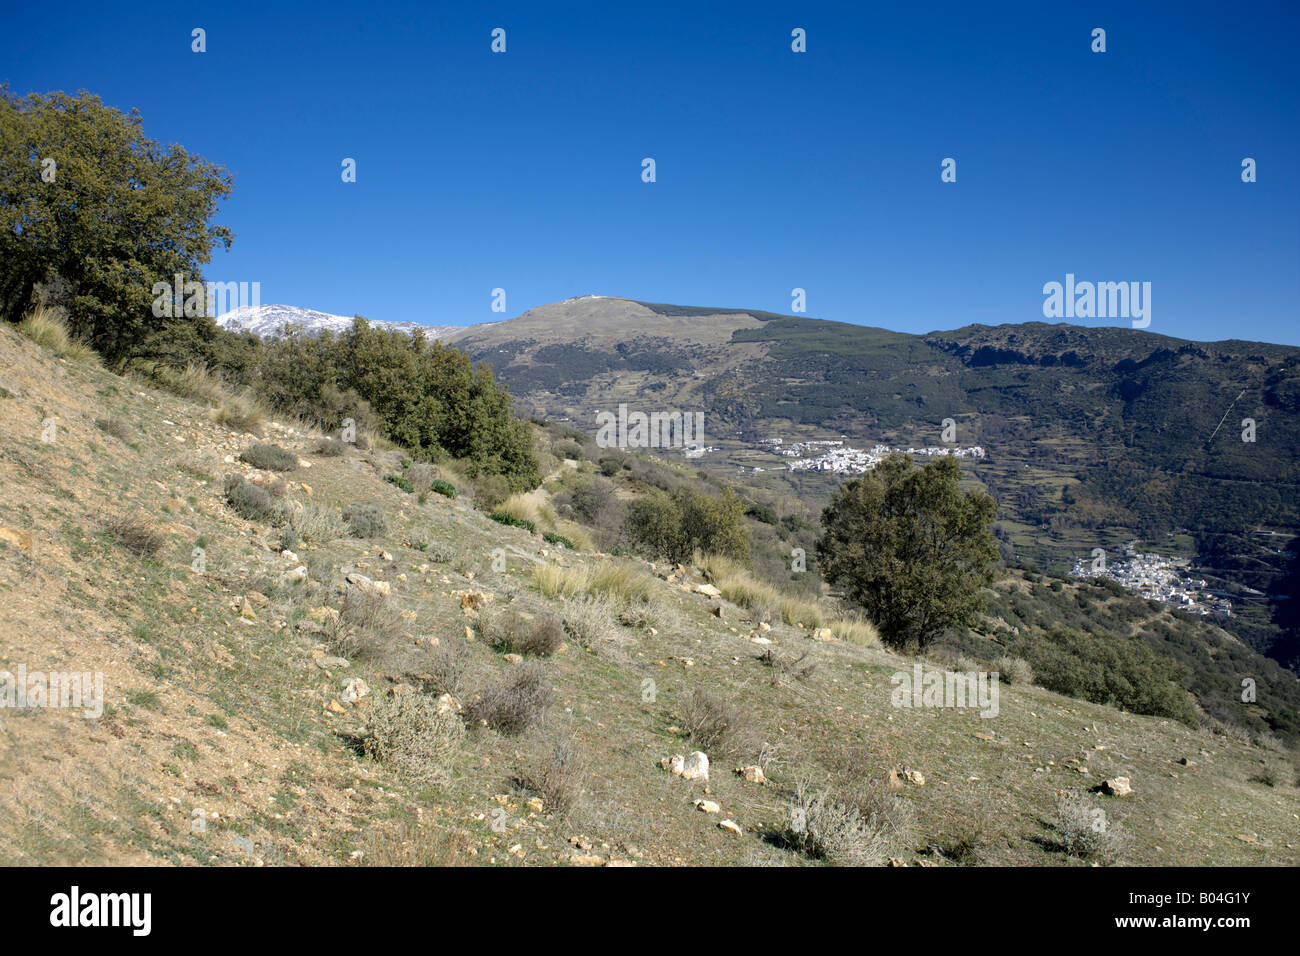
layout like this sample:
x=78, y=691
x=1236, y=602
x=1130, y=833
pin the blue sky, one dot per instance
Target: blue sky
x=775, y=170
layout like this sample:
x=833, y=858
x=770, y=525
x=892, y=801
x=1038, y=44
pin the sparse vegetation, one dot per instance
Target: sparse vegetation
x=557, y=777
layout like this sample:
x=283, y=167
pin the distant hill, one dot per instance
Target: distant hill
x=266, y=320
x=1094, y=436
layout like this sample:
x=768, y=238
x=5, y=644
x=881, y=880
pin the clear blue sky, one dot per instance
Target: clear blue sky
x=775, y=170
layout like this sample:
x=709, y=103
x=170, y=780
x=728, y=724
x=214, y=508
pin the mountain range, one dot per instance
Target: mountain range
x=1092, y=437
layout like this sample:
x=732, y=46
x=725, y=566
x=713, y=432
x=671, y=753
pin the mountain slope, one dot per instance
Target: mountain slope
x=228, y=737
x=1093, y=436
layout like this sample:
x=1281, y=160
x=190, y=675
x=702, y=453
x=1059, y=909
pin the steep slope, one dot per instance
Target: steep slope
x=228, y=735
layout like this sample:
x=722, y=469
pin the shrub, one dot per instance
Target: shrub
x=557, y=778
x=239, y=412
x=115, y=427
x=501, y=517
x=444, y=488
x=514, y=705
x=251, y=501
x=1087, y=832
x=330, y=448
x=269, y=458
x=588, y=620
x=378, y=622
x=788, y=666
x=135, y=534
x=831, y=830
x=673, y=526
x=447, y=668
x=856, y=630
x=552, y=538
x=407, y=733
x=401, y=481
x=365, y=520
x=490, y=491
x=318, y=523
x=47, y=329
x=415, y=845
x=1015, y=670
x=514, y=631
x=713, y=723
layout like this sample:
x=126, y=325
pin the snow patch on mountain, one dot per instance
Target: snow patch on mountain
x=267, y=320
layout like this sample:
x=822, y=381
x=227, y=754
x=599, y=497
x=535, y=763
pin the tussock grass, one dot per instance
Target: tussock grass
x=415, y=846
x=856, y=630
x=620, y=581
x=46, y=328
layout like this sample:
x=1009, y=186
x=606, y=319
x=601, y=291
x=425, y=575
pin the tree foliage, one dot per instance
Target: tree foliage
x=909, y=546
x=674, y=525
x=97, y=213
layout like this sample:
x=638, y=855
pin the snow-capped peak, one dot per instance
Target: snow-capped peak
x=266, y=320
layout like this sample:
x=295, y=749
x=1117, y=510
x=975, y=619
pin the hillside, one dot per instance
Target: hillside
x=1093, y=436
x=234, y=728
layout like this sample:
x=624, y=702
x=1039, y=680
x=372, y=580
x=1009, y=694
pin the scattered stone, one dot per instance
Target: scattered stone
x=915, y=776
x=366, y=585
x=693, y=767
x=1115, y=787
x=297, y=574
x=330, y=663
x=708, y=589
x=335, y=707
x=753, y=774
x=707, y=806
x=764, y=626
x=823, y=634
x=257, y=598
x=354, y=690
x=731, y=826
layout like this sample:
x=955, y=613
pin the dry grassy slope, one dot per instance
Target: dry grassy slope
x=208, y=711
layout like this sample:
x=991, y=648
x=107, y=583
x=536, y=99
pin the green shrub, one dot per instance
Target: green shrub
x=552, y=538
x=401, y=481
x=445, y=488
x=500, y=517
